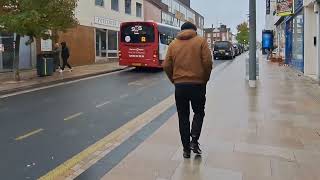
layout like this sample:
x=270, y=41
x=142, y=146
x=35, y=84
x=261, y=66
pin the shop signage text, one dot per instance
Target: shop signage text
x=285, y=7
x=268, y=7
x=106, y=22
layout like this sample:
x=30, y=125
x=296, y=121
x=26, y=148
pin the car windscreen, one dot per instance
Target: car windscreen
x=137, y=33
x=222, y=45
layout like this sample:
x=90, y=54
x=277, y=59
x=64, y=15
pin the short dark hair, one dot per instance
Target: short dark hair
x=188, y=25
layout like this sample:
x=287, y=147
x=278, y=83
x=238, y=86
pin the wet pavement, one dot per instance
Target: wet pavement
x=268, y=133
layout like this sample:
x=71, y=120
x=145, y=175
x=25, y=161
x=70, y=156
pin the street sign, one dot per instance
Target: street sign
x=285, y=7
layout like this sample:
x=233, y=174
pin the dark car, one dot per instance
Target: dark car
x=223, y=50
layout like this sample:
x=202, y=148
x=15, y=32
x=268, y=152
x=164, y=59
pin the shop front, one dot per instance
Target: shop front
x=294, y=52
x=106, y=38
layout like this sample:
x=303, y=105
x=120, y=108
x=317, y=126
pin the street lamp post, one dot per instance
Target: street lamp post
x=317, y=10
x=253, y=44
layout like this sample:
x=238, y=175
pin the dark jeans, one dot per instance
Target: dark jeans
x=65, y=63
x=196, y=95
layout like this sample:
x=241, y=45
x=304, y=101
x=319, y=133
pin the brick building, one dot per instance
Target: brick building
x=222, y=33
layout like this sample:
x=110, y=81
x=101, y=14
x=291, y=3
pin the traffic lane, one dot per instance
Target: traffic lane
x=50, y=106
x=37, y=155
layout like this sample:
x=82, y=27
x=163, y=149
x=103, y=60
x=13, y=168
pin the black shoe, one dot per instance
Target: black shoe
x=186, y=154
x=194, y=146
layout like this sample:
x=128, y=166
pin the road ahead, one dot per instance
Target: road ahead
x=40, y=130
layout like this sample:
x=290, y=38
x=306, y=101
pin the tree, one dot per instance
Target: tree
x=243, y=33
x=34, y=18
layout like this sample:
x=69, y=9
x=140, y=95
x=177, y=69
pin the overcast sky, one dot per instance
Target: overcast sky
x=229, y=12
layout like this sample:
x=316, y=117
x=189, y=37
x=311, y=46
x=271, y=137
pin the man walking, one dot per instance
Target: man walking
x=65, y=54
x=188, y=65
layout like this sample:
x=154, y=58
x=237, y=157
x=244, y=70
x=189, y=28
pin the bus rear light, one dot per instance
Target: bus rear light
x=155, y=54
x=120, y=54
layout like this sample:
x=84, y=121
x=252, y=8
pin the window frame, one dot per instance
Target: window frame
x=98, y=5
x=118, y=6
x=126, y=9
x=138, y=3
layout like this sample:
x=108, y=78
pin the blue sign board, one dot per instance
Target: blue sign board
x=267, y=39
x=297, y=5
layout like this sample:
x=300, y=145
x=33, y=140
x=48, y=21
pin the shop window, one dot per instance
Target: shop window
x=128, y=6
x=115, y=5
x=101, y=43
x=99, y=2
x=112, y=40
x=138, y=10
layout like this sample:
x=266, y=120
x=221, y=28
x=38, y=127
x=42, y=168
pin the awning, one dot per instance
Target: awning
x=280, y=20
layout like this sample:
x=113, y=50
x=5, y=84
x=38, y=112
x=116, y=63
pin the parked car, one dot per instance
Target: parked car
x=223, y=50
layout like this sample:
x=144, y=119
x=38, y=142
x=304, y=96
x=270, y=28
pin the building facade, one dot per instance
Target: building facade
x=290, y=35
x=222, y=33
x=311, y=10
x=174, y=13
x=96, y=39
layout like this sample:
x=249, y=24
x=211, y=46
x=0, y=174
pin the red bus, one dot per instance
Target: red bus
x=144, y=44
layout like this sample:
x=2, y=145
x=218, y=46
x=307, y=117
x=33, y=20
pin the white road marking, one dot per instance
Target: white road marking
x=124, y=96
x=73, y=116
x=59, y=84
x=103, y=104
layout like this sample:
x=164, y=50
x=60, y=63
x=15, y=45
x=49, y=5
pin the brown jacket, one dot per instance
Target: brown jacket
x=188, y=59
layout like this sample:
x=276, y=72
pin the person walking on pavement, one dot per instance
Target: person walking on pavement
x=188, y=65
x=65, y=54
x=57, y=56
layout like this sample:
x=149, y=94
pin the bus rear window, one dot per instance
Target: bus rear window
x=137, y=33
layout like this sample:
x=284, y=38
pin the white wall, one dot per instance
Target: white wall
x=310, y=51
x=87, y=10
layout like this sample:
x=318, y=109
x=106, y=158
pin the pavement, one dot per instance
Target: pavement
x=30, y=79
x=268, y=133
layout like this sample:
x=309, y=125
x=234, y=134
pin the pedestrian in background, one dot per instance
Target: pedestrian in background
x=65, y=54
x=188, y=65
x=57, y=56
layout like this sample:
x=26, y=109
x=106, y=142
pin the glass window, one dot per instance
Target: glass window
x=112, y=40
x=136, y=33
x=128, y=6
x=167, y=35
x=297, y=42
x=175, y=7
x=6, y=58
x=101, y=43
x=99, y=2
x=138, y=10
x=115, y=5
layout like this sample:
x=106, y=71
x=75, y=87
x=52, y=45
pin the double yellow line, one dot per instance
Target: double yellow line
x=113, y=138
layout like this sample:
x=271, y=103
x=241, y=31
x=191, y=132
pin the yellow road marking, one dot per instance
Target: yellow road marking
x=113, y=138
x=73, y=116
x=29, y=134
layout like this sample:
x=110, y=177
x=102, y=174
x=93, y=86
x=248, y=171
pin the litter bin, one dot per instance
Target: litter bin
x=45, y=65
